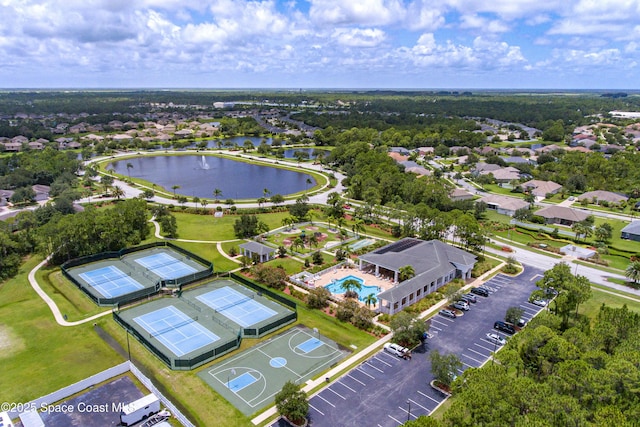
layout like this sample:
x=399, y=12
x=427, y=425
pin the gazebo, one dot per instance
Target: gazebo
x=264, y=252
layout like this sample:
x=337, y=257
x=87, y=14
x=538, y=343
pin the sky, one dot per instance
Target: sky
x=298, y=44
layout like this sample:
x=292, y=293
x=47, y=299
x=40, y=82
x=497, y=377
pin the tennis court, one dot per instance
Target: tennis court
x=165, y=265
x=175, y=330
x=240, y=308
x=251, y=379
x=110, y=281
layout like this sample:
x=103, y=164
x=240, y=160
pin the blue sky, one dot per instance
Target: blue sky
x=501, y=44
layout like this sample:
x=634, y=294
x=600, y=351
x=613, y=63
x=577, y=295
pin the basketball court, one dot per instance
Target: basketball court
x=251, y=379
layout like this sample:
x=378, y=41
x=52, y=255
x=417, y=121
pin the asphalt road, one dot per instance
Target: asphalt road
x=386, y=390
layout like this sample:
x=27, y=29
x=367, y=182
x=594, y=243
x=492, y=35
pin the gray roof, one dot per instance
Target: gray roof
x=632, y=228
x=257, y=248
x=430, y=260
x=562, y=212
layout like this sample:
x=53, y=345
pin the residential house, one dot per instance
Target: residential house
x=505, y=205
x=435, y=264
x=562, y=215
x=600, y=196
x=541, y=188
x=459, y=194
x=631, y=231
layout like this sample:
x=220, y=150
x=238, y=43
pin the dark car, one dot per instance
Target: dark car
x=504, y=327
x=480, y=291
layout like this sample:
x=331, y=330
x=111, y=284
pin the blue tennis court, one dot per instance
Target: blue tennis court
x=110, y=281
x=240, y=308
x=165, y=266
x=175, y=330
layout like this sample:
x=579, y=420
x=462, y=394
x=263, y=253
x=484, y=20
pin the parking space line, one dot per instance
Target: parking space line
x=445, y=318
x=485, y=348
x=434, y=327
x=336, y=393
x=469, y=366
x=438, y=321
x=428, y=397
x=477, y=352
x=408, y=413
x=382, y=361
x=399, y=422
x=534, y=277
x=346, y=386
x=316, y=409
x=377, y=369
x=320, y=396
x=417, y=404
x=475, y=360
x=528, y=307
x=370, y=376
x=355, y=379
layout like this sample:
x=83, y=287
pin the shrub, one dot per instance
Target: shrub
x=318, y=298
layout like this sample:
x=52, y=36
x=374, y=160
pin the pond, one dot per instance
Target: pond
x=199, y=175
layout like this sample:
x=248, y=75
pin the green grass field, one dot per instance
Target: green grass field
x=210, y=228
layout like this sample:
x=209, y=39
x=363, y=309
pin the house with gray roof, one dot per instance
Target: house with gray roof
x=435, y=264
x=263, y=252
x=504, y=205
x=600, y=196
x=631, y=231
x=562, y=215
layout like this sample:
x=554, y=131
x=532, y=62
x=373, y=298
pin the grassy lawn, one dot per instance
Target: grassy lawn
x=591, y=307
x=71, y=301
x=290, y=265
x=42, y=356
x=210, y=228
x=209, y=252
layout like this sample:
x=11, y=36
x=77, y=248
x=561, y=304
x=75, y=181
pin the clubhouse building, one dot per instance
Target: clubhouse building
x=435, y=264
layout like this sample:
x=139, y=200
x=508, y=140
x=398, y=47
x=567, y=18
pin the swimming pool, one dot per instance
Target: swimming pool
x=335, y=287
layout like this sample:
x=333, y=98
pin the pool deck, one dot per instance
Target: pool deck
x=369, y=279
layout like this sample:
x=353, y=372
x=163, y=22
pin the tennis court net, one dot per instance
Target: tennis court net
x=107, y=279
x=163, y=264
x=172, y=327
x=233, y=304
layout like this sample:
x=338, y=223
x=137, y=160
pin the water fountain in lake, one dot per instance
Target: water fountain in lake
x=203, y=163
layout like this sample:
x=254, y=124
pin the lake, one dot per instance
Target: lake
x=237, y=180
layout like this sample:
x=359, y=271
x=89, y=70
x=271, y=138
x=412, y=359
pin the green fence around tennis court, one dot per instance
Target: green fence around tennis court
x=141, y=293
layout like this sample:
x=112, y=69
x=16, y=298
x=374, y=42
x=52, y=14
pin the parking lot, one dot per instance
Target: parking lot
x=386, y=390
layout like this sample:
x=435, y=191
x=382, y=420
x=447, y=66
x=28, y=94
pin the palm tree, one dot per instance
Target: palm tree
x=204, y=203
x=406, y=272
x=340, y=222
x=117, y=192
x=370, y=300
x=308, y=181
x=174, y=188
x=129, y=166
x=357, y=227
x=297, y=243
x=261, y=201
x=265, y=192
x=216, y=194
x=349, y=286
x=633, y=271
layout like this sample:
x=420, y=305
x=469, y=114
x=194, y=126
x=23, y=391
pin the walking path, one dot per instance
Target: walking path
x=57, y=315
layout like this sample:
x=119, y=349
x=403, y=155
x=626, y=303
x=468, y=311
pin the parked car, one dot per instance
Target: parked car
x=539, y=302
x=396, y=349
x=521, y=323
x=470, y=298
x=495, y=339
x=504, y=327
x=448, y=313
x=461, y=305
x=480, y=291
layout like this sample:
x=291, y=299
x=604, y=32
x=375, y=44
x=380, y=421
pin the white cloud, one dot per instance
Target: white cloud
x=362, y=12
x=477, y=22
x=356, y=37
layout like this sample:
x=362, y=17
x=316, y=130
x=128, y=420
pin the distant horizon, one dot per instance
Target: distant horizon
x=314, y=89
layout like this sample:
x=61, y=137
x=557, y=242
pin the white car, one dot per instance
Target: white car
x=495, y=339
x=396, y=349
x=539, y=302
x=461, y=305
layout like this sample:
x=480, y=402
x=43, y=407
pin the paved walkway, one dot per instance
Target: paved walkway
x=57, y=315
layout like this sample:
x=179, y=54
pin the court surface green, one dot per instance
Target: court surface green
x=251, y=379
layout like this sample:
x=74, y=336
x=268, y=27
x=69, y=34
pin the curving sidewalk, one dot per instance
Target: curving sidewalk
x=58, y=316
